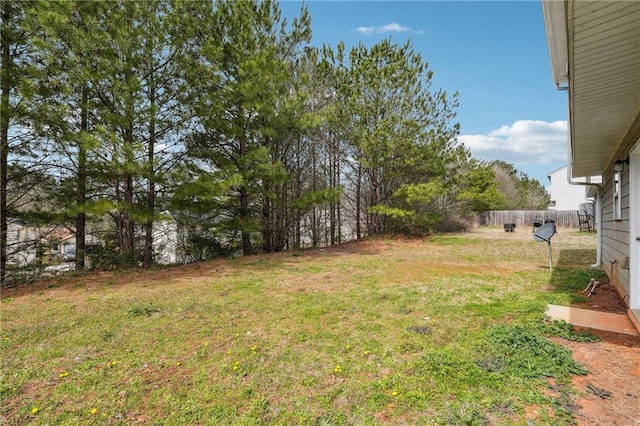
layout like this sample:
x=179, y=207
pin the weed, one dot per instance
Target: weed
x=329, y=420
x=601, y=392
x=465, y=414
x=144, y=310
x=492, y=364
x=404, y=310
x=108, y=335
x=419, y=329
x=566, y=331
x=505, y=407
x=527, y=353
x=564, y=406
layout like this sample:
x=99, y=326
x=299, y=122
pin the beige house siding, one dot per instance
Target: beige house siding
x=615, y=233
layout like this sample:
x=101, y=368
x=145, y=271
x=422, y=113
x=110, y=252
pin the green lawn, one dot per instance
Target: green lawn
x=444, y=330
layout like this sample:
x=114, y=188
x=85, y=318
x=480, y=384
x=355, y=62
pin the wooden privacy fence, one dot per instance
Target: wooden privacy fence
x=524, y=218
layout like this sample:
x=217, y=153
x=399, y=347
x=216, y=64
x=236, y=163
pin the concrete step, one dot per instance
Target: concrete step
x=596, y=320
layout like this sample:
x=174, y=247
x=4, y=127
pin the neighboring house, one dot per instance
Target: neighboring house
x=565, y=196
x=165, y=242
x=65, y=245
x=595, y=56
x=28, y=245
x=21, y=243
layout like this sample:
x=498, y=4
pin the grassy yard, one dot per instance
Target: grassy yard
x=444, y=330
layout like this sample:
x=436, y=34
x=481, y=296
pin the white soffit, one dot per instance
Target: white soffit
x=604, y=79
x=555, y=23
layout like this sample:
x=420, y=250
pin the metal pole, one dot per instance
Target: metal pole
x=550, y=258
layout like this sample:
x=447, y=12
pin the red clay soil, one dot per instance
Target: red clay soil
x=614, y=367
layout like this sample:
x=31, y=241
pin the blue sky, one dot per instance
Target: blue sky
x=493, y=53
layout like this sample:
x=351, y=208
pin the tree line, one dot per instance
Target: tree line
x=221, y=117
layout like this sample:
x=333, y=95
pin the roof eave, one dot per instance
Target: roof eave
x=555, y=23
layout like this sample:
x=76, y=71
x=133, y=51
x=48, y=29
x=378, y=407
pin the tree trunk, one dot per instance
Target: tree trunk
x=247, y=247
x=4, y=141
x=245, y=212
x=127, y=229
x=128, y=225
x=151, y=188
x=333, y=184
x=332, y=209
x=81, y=189
x=148, y=237
x=267, y=228
x=315, y=232
x=373, y=201
x=297, y=234
x=358, y=202
x=339, y=203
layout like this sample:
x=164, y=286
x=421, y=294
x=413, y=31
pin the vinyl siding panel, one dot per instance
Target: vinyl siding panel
x=603, y=63
x=615, y=233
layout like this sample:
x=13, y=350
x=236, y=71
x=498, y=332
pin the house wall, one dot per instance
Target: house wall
x=565, y=195
x=615, y=233
x=634, y=226
x=21, y=244
x=165, y=242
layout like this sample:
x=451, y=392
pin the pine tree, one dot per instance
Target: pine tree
x=238, y=108
x=15, y=133
x=66, y=49
x=399, y=130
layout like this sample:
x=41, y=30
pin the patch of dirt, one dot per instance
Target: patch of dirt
x=610, y=393
x=606, y=299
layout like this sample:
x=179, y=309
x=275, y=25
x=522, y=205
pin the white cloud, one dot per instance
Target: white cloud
x=388, y=28
x=366, y=30
x=393, y=27
x=521, y=143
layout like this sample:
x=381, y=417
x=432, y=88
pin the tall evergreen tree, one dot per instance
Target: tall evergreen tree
x=64, y=81
x=238, y=111
x=15, y=132
x=139, y=87
x=400, y=130
x=283, y=141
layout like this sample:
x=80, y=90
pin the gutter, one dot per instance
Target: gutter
x=598, y=201
x=597, y=209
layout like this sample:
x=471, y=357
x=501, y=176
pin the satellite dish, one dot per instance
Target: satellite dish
x=545, y=232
